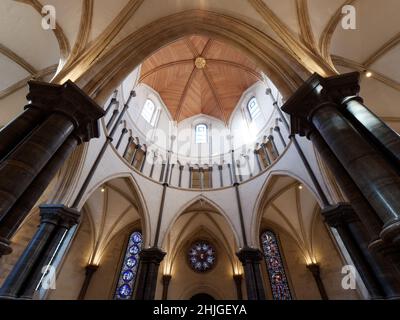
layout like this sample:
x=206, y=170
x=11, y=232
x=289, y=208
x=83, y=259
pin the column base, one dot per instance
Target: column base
x=5, y=247
x=391, y=232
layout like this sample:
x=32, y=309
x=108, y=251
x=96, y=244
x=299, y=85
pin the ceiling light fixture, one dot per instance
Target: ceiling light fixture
x=368, y=74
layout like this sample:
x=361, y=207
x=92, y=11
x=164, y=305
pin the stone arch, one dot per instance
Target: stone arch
x=141, y=202
x=217, y=208
x=212, y=291
x=260, y=203
x=202, y=230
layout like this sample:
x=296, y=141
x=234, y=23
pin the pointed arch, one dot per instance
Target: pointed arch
x=218, y=210
x=263, y=200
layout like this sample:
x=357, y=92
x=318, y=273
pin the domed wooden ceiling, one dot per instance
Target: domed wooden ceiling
x=197, y=75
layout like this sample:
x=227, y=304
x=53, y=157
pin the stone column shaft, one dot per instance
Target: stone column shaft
x=25, y=276
x=251, y=259
x=11, y=221
x=146, y=282
x=25, y=162
x=13, y=133
x=166, y=282
x=381, y=186
x=21, y=271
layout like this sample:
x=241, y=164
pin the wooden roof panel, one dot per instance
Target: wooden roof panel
x=186, y=90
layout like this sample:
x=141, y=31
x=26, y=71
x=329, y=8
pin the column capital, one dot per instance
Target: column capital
x=238, y=278
x=69, y=100
x=91, y=268
x=152, y=255
x=249, y=255
x=59, y=215
x=343, y=86
x=315, y=269
x=339, y=214
x=166, y=279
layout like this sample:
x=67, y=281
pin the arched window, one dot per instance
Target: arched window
x=253, y=108
x=149, y=112
x=201, y=133
x=276, y=271
x=129, y=268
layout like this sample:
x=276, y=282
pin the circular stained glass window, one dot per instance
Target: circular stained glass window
x=202, y=256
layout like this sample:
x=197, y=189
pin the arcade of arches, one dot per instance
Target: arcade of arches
x=199, y=150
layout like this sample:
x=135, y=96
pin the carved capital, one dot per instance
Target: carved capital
x=152, y=255
x=249, y=256
x=339, y=214
x=69, y=100
x=343, y=86
x=59, y=215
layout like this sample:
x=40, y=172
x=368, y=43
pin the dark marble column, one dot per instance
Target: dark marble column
x=375, y=178
x=345, y=90
x=316, y=272
x=10, y=222
x=146, y=282
x=166, y=282
x=27, y=160
x=13, y=133
x=278, y=130
x=121, y=137
x=23, y=279
x=251, y=259
x=238, y=278
x=90, y=270
x=368, y=224
x=378, y=276
x=70, y=118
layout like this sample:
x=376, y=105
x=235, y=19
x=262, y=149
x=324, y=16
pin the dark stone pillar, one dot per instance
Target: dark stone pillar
x=146, y=282
x=121, y=137
x=251, y=259
x=367, y=227
x=27, y=160
x=316, y=272
x=10, y=223
x=166, y=282
x=90, y=270
x=378, y=276
x=69, y=117
x=238, y=278
x=113, y=117
x=12, y=134
x=375, y=178
x=23, y=279
x=345, y=89
x=278, y=130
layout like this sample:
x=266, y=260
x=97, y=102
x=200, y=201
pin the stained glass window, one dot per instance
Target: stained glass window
x=202, y=256
x=127, y=277
x=253, y=108
x=276, y=271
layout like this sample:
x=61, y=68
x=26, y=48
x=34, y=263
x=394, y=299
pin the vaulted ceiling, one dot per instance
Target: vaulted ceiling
x=308, y=29
x=199, y=75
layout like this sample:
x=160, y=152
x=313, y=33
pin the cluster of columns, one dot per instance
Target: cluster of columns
x=363, y=153
x=33, y=148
